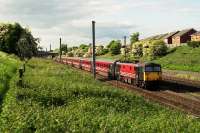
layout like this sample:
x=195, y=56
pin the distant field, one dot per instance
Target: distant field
x=57, y=98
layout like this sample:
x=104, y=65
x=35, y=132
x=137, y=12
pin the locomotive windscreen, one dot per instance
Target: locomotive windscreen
x=152, y=69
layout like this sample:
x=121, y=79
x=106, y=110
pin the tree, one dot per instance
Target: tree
x=64, y=48
x=114, y=47
x=18, y=40
x=134, y=37
x=157, y=48
x=84, y=47
x=137, y=49
x=27, y=45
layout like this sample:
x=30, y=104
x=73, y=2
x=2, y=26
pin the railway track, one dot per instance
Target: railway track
x=186, y=82
x=167, y=97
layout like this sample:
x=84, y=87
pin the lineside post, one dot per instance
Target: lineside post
x=125, y=47
x=93, y=49
x=60, y=50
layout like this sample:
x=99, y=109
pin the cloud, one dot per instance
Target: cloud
x=71, y=19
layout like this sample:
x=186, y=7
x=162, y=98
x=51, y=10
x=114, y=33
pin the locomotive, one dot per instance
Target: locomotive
x=144, y=75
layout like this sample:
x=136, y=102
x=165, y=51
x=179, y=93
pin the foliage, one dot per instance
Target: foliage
x=134, y=37
x=70, y=49
x=70, y=54
x=8, y=66
x=104, y=51
x=18, y=40
x=114, y=47
x=157, y=48
x=57, y=98
x=137, y=49
x=83, y=46
x=64, y=48
x=194, y=44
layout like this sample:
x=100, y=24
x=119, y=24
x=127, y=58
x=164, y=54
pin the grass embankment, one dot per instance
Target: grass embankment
x=182, y=58
x=8, y=66
x=57, y=98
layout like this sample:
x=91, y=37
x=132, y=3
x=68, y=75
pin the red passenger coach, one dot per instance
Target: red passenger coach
x=76, y=62
x=64, y=60
x=69, y=61
x=127, y=72
x=103, y=67
x=86, y=65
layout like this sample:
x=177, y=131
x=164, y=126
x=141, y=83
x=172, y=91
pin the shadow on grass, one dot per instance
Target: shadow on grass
x=4, y=90
x=178, y=87
x=115, y=100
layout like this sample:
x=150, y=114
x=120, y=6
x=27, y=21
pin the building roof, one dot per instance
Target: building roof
x=197, y=33
x=181, y=33
x=155, y=37
x=170, y=34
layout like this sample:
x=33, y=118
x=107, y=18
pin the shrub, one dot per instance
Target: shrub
x=103, y=51
x=194, y=44
x=70, y=54
x=157, y=48
x=137, y=49
x=115, y=47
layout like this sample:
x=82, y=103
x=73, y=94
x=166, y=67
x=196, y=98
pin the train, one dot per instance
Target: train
x=143, y=75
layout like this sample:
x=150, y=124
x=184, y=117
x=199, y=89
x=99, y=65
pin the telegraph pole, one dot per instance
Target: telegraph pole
x=125, y=47
x=50, y=48
x=93, y=49
x=60, y=49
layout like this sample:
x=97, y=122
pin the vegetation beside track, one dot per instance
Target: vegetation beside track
x=8, y=66
x=57, y=98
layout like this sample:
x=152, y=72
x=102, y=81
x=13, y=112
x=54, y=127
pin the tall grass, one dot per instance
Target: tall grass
x=8, y=66
x=56, y=98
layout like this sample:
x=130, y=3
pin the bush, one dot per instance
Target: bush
x=137, y=49
x=157, y=48
x=70, y=54
x=115, y=47
x=194, y=44
x=103, y=52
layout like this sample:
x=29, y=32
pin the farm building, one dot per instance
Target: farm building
x=195, y=36
x=168, y=37
x=183, y=36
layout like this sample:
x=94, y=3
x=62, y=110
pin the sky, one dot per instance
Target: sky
x=71, y=19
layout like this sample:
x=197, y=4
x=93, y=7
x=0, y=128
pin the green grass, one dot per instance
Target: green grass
x=8, y=66
x=57, y=98
x=183, y=58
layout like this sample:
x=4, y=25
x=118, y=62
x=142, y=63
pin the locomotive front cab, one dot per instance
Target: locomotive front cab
x=152, y=72
x=148, y=75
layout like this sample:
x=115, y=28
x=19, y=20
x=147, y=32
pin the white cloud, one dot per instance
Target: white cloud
x=71, y=19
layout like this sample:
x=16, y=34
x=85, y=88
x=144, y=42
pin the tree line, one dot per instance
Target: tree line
x=14, y=39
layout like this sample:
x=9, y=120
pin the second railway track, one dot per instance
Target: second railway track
x=168, y=98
